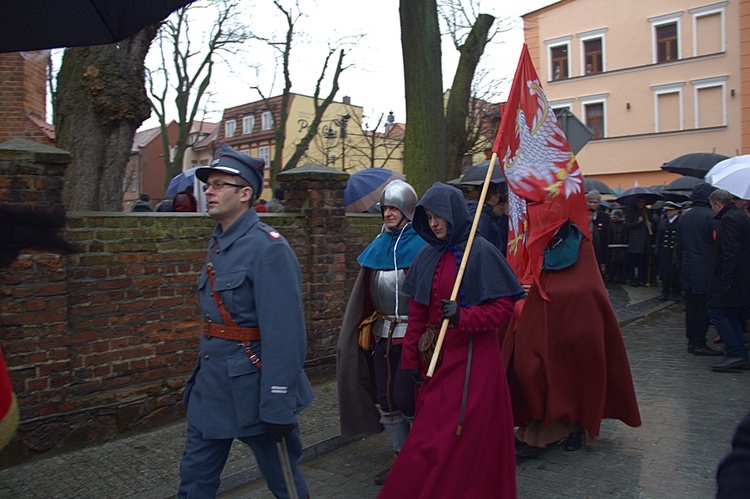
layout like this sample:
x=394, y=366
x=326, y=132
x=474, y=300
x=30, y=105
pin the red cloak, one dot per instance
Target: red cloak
x=435, y=461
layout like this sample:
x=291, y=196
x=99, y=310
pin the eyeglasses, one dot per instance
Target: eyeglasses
x=218, y=185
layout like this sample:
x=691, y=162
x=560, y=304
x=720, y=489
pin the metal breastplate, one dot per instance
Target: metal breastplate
x=383, y=297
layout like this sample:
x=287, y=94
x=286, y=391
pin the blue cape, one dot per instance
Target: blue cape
x=378, y=255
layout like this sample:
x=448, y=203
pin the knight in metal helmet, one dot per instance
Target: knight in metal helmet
x=401, y=195
x=378, y=303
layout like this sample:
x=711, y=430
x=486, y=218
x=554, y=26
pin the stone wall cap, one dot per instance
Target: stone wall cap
x=317, y=170
x=42, y=152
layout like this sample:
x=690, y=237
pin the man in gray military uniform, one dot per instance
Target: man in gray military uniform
x=248, y=381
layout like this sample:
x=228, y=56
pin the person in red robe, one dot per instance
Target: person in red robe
x=461, y=443
x=566, y=360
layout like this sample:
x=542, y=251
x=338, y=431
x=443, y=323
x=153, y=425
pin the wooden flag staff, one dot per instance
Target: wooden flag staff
x=462, y=267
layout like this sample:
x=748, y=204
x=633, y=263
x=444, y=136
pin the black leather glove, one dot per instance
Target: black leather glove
x=279, y=431
x=451, y=311
x=416, y=376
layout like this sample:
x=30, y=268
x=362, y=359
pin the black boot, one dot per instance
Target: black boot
x=574, y=441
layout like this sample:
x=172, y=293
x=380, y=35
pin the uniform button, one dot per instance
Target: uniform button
x=218, y=251
x=206, y=357
x=229, y=284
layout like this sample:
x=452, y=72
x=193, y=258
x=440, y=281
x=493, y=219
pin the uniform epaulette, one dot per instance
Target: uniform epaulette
x=272, y=233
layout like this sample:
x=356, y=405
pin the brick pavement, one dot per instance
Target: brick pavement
x=689, y=414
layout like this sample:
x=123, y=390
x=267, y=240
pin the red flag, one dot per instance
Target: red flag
x=545, y=185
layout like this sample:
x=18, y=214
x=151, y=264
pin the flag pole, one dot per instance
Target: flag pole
x=464, y=259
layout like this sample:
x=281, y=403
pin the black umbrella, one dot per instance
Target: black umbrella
x=592, y=184
x=629, y=197
x=476, y=174
x=657, y=188
x=683, y=184
x=43, y=24
x=694, y=164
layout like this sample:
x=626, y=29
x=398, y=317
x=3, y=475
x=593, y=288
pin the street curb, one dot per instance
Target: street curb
x=627, y=320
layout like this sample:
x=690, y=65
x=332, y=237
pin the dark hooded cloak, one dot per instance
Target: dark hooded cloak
x=483, y=278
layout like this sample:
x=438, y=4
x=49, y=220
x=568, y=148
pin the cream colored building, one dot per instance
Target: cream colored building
x=249, y=128
x=653, y=79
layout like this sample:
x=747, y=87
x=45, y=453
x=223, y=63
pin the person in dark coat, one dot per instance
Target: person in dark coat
x=143, y=204
x=248, y=382
x=617, y=263
x=733, y=476
x=666, y=255
x=599, y=228
x=493, y=223
x=185, y=202
x=695, y=249
x=729, y=289
x=640, y=230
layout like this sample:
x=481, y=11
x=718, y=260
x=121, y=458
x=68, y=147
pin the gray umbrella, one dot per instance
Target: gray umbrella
x=592, y=184
x=476, y=174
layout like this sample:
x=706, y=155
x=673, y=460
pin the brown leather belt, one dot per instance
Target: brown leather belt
x=235, y=333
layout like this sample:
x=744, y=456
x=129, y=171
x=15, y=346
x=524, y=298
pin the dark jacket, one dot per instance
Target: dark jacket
x=664, y=250
x=695, y=243
x=489, y=226
x=600, y=236
x=730, y=281
x=639, y=237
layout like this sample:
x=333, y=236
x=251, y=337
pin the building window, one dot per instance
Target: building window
x=248, y=123
x=264, y=153
x=593, y=56
x=229, y=128
x=666, y=42
x=594, y=113
x=708, y=29
x=710, y=101
x=266, y=121
x=668, y=107
x=559, y=60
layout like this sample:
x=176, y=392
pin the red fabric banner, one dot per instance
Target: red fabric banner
x=545, y=185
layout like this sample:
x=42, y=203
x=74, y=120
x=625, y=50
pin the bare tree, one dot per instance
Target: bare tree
x=283, y=50
x=186, y=69
x=100, y=102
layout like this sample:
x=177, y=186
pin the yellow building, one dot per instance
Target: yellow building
x=346, y=140
x=653, y=80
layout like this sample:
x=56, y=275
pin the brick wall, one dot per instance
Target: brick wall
x=22, y=92
x=102, y=341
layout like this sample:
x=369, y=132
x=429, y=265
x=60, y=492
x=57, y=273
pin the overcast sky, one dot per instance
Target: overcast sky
x=375, y=79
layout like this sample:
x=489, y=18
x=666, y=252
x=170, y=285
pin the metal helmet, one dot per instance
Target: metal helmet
x=400, y=195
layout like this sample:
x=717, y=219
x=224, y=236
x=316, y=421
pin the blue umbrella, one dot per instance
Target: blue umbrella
x=364, y=187
x=181, y=182
x=629, y=197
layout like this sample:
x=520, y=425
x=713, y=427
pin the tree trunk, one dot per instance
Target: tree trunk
x=100, y=103
x=424, y=148
x=457, y=110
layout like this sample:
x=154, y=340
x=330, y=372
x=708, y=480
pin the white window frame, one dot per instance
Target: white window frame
x=248, y=123
x=230, y=127
x=595, y=99
x=587, y=36
x=718, y=81
x=660, y=21
x=708, y=10
x=264, y=153
x=554, y=43
x=266, y=121
x=669, y=88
